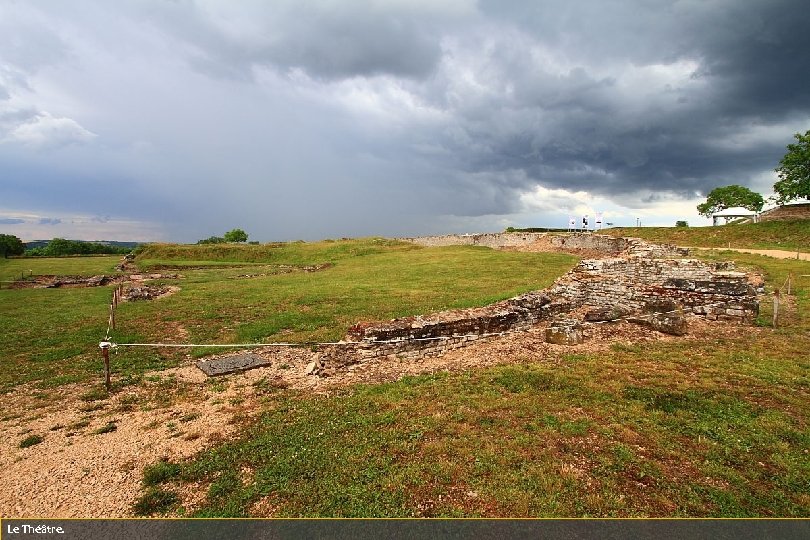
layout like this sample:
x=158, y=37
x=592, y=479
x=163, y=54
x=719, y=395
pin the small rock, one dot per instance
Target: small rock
x=612, y=313
x=565, y=332
x=312, y=368
x=667, y=323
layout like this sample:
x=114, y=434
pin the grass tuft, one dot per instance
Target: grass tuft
x=155, y=501
x=109, y=427
x=160, y=472
x=31, y=440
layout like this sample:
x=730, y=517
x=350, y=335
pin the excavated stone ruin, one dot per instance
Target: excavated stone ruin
x=631, y=280
x=640, y=282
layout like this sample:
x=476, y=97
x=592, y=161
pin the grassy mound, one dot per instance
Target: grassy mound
x=788, y=235
x=290, y=253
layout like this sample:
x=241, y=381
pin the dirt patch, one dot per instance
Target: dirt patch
x=56, y=282
x=79, y=470
x=134, y=292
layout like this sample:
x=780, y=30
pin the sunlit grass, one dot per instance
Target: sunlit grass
x=14, y=269
x=709, y=428
x=51, y=336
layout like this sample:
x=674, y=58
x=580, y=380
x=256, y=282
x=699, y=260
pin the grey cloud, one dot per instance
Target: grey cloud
x=49, y=221
x=326, y=41
x=580, y=130
x=404, y=116
x=11, y=221
x=28, y=40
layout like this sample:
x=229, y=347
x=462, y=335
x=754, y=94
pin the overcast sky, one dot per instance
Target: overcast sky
x=181, y=120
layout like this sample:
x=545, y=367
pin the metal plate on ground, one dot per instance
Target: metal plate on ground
x=232, y=364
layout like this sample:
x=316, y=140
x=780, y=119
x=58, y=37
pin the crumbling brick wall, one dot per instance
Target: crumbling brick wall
x=633, y=283
x=612, y=287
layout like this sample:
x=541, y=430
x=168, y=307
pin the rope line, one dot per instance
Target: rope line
x=374, y=342
x=304, y=343
x=381, y=342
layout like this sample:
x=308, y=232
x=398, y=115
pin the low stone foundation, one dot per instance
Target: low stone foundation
x=590, y=242
x=632, y=284
x=639, y=282
x=637, y=286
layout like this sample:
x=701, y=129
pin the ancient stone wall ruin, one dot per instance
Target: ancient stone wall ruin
x=635, y=284
x=638, y=286
x=590, y=242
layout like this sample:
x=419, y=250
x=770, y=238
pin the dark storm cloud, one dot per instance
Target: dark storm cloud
x=330, y=118
x=586, y=127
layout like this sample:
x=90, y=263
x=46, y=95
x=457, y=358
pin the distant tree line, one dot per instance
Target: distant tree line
x=59, y=247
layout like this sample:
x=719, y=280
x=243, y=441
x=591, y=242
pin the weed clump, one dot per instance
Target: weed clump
x=160, y=472
x=31, y=440
x=108, y=428
x=155, y=501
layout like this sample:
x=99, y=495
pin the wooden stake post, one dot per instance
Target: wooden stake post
x=105, y=352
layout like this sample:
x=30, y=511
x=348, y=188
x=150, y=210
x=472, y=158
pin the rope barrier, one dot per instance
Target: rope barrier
x=117, y=295
x=371, y=342
x=302, y=343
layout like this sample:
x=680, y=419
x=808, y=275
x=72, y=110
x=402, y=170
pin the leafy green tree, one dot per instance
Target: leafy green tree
x=59, y=247
x=10, y=245
x=212, y=240
x=236, y=235
x=681, y=223
x=729, y=197
x=794, y=171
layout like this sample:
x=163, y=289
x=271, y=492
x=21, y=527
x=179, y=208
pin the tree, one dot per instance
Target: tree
x=794, y=171
x=236, y=235
x=11, y=245
x=728, y=197
x=212, y=240
x=681, y=223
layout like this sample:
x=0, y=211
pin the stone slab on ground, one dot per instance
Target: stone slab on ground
x=231, y=364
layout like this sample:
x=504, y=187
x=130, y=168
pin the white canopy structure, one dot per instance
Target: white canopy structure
x=734, y=213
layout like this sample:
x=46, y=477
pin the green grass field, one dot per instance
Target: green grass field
x=681, y=428
x=51, y=335
x=787, y=235
x=13, y=269
x=717, y=428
